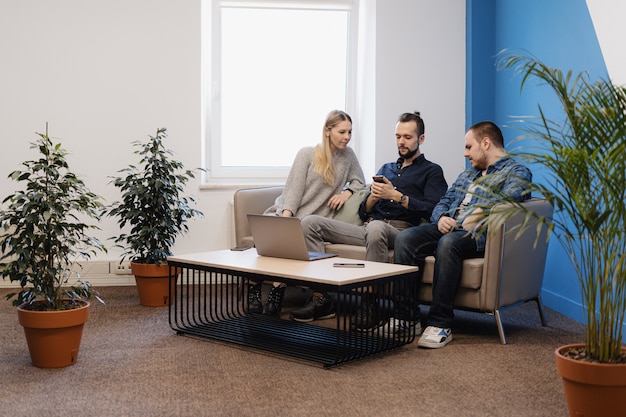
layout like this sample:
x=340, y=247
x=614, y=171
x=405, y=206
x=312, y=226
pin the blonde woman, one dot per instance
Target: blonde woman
x=320, y=181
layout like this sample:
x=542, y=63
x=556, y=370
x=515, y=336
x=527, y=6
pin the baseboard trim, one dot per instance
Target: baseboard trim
x=98, y=273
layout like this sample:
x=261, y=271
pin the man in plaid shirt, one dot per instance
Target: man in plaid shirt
x=452, y=236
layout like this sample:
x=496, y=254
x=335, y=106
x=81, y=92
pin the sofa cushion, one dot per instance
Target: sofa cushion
x=247, y=241
x=349, y=213
x=472, y=272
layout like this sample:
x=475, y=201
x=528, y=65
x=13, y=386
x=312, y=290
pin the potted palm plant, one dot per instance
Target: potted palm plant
x=583, y=162
x=153, y=206
x=42, y=236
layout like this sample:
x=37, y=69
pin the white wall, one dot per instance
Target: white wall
x=420, y=65
x=106, y=72
x=608, y=22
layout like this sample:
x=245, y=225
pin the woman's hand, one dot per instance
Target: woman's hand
x=338, y=200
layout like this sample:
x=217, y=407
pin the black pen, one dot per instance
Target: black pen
x=348, y=265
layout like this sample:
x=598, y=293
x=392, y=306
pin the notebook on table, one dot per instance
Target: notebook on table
x=281, y=237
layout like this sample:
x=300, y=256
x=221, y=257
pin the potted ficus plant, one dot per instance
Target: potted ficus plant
x=582, y=160
x=42, y=236
x=154, y=208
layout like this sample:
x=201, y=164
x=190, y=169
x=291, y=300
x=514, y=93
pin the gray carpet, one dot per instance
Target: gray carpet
x=132, y=364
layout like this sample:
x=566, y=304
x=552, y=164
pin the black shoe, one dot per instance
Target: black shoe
x=318, y=307
x=254, y=298
x=275, y=301
x=368, y=317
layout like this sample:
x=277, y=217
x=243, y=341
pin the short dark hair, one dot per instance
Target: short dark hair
x=413, y=117
x=490, y=130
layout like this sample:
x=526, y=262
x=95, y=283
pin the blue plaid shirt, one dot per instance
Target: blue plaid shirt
x=506, y=175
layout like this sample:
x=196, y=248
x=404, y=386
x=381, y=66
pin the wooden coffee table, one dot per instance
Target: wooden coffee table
x=211, y=295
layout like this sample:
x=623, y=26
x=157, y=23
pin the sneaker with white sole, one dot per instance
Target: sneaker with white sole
x=435, y=337
x=401, y=328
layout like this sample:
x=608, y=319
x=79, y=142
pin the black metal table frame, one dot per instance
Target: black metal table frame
x=210, y=302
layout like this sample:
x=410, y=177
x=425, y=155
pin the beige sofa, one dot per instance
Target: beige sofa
x=510, y=273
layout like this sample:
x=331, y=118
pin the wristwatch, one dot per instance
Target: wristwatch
x=402, y=199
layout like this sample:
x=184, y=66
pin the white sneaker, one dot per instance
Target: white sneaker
x=435, y=337
x=401, y=328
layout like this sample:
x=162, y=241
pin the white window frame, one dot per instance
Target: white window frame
x=216, y=174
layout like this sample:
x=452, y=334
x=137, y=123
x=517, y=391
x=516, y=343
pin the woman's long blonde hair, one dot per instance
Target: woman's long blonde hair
x=323, y=154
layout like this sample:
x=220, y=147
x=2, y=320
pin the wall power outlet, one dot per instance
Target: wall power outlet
x=120, y=268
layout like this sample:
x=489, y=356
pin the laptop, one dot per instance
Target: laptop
x=281, y=237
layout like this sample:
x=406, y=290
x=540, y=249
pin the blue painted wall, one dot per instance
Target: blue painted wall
x=558, y=32
x=481, y=38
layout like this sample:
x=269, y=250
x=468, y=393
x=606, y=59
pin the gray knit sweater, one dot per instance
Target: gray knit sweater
x=306, y=192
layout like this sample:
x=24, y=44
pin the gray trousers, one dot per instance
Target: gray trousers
x=377, y=236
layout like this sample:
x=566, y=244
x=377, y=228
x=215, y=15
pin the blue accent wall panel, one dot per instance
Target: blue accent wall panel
x=561, y=34
x=480, y=31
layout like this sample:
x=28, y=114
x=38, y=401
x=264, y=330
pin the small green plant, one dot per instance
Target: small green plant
x=152, y=204
x=42, y=234
x=583, y=162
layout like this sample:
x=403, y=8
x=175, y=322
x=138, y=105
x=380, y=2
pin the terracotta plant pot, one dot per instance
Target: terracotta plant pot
x=592, y=389
x=153, y=284
x=53, y=337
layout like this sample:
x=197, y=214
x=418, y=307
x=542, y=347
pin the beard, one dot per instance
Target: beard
x=409, y=154
x=480, y=162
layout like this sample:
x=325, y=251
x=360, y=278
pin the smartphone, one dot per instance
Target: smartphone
x=378, y=178
x=240, y=248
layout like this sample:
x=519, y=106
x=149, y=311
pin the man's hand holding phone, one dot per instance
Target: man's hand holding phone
x=381, y=188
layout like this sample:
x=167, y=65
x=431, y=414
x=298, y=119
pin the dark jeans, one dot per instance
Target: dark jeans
x=414, y=244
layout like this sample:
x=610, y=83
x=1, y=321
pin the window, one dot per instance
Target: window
x=273, y=70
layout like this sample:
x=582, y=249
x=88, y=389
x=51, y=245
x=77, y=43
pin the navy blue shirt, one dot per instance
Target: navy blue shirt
x=422, y=182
